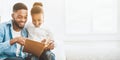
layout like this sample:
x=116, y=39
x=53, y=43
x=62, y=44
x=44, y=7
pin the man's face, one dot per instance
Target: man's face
x=20, y=18
x=37, y=19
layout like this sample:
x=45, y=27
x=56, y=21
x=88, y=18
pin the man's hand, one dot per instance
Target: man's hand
x=19, y=40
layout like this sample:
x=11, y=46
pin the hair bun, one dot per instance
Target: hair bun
x=38, y=4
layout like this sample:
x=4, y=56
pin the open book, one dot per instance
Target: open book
x=33, y=47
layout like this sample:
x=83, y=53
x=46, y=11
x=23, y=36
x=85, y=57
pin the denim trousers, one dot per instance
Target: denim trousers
x=46, y=55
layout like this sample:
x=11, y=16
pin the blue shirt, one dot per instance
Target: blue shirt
x=7, y=50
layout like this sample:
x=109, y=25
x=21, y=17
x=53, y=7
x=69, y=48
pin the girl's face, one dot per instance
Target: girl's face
x=37, y=19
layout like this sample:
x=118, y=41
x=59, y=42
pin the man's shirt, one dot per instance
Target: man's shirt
x=7, y=50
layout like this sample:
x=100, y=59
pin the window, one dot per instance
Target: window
x=91, y=16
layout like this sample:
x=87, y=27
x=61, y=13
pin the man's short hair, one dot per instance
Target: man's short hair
x=19, y=6
x=36, y=10
x=37, y=4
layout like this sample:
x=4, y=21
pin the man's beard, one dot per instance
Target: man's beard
x=14, y=22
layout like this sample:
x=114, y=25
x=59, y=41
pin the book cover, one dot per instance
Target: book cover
x=33, y=47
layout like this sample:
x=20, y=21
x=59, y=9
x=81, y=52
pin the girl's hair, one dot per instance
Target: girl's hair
x=37, y=8
x=38, y=4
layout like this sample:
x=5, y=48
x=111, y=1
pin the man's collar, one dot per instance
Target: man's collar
x=9, y=22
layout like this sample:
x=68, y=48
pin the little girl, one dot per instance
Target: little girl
x=37, y=32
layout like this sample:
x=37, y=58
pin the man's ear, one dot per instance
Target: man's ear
x=12, y=15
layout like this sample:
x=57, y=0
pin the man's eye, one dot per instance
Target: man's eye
x=19, y=17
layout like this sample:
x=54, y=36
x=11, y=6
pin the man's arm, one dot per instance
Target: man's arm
x=13, y=41
x=7, y=44
x=19, y=40
x=3, y=44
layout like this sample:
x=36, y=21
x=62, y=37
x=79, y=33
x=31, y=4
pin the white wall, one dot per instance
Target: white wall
x=55, y=19
x=86, y=36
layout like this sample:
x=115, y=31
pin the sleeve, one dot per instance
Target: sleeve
x=49, y=34
x=3, y=44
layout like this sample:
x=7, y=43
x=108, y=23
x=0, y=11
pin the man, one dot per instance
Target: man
x=12, y=34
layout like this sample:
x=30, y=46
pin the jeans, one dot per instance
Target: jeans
x=14, y=58
x=46, y=55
